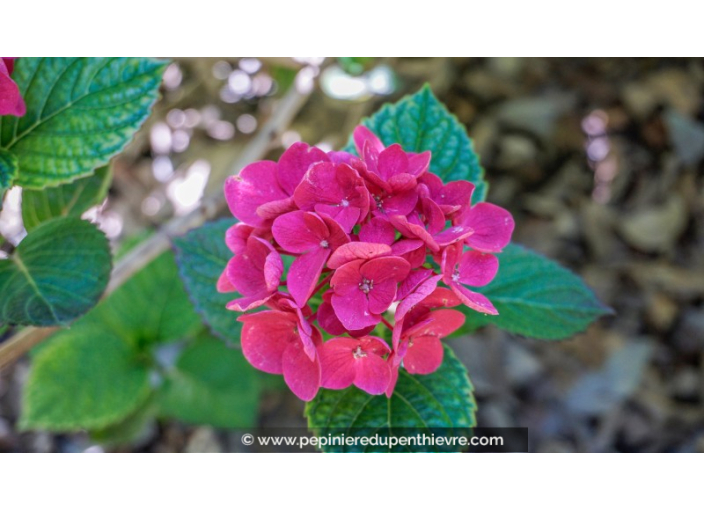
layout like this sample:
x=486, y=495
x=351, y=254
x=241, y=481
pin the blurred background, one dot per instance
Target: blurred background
x=599, y=160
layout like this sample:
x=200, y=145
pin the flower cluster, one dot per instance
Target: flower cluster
x=11, y=102
x=369, y=236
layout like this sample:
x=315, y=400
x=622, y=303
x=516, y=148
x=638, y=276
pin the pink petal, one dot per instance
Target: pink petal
x=265, y=337
x=11, y=102
x=441, y=298
x=304, y=274
x=418, y=163
x=299, y=231
x=372, y=374
x=392, y=161
x=252, y=271
x=236, y=237
x=434, y=216
x=274, y=209
x=255, y=185
x=424, y=355
x=347, y=278
x=401, y=203
x=412, y=281
x=337, y=363
x=356, y=250
x=418, y=295
x=441, y=323
x=363, y=135
x=474, y=300
x=295, y=162
x=385, y=268
x=353, y=310
x=492, y=227
x=377, y=230
x=394, y=379
x=245, y=304
x=337, y=236
x=346, y=217
x=478, y=269
x=320, y=185
x=453, y=234
x=224, y=284
x=327, y=318
x=300, y=373
x=381, y=296
x=412, y=230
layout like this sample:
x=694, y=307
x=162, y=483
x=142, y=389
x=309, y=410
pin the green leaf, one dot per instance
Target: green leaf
x=58, y=272
x=212, y=384
x=437, y=401
x=130, y=429
x=201, y=256
x=538, y=298
x=85, y=378
x=8, y=172
x=71, y=199
x=420, y=122
x=80, y=113
x=151, y=307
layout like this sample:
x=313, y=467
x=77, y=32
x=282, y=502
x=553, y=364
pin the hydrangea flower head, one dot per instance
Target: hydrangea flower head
x=374, y=237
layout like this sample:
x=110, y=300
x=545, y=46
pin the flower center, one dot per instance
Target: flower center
x=366, y=285
x=456, y=276
x=359, y=353
x=344, y=203
x=379, y=203
x=324, y=244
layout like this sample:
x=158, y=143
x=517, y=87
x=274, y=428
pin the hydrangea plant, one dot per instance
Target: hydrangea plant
x=343, y=271
x=370, y=235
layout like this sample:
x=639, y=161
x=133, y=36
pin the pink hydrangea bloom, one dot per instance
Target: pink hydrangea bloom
x=364, y=289
x=11, y=102
x=374, y=239
x=358, y=361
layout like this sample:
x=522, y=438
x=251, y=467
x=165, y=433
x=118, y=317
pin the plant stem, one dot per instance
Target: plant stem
x=387, y=324
x=322, y=284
